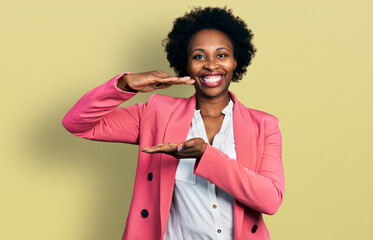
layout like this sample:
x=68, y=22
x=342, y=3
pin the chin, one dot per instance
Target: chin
x=211, y=92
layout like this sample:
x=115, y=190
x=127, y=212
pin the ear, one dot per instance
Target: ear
x=235, y=64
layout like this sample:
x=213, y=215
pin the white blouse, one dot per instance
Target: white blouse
x=199, y=209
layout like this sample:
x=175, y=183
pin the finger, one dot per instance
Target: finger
x=163, y=144
x=159, y=146
x=177, y=81
x=185, y=80
x=169, y=79
x=152, y=150
x=163, y=74
x=163, y=147
x=190, y=82
x=145, y=149
x=152, y=147
x=160, y=150
x=158, y=71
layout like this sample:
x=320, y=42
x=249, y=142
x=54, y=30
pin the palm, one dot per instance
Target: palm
x=192, y=148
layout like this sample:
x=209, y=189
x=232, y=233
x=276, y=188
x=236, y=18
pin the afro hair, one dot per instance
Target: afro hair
x=216, y=18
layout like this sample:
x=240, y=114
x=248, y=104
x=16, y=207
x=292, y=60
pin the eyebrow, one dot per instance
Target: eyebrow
x=202, y=50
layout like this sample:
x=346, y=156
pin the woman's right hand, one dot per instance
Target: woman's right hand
x=150, y=81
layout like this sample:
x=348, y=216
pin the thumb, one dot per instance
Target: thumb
x=192, y=142
x=185, y=144
x=180, y=147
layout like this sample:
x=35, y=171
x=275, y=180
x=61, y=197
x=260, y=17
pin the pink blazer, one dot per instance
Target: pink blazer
x=255, y=180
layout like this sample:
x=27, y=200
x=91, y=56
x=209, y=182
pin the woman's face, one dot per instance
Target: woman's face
x=211, y=62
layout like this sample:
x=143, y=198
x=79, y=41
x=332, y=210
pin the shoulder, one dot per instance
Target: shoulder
x=256, y=115
x=259, y=118
x=260, y=115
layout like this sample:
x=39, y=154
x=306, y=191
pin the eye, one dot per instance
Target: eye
x=222, y=55
x=198, y=56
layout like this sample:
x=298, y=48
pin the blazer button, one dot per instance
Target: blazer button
x=144, y=213
x=150, y=176
x=255, y=227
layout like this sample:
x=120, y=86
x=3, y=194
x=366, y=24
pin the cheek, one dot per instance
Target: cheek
x=192, y=69
x=230, y=66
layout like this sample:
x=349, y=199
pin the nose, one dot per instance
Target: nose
x=211, y=64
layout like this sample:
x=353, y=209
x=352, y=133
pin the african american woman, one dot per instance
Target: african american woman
x=208, y=167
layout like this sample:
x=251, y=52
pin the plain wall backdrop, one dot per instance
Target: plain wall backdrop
x=313, y=70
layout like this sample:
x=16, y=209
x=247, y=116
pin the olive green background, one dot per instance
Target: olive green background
x=312, y=70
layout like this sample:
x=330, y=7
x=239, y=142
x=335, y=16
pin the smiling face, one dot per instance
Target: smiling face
x=211, y=62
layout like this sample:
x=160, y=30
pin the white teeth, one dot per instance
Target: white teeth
x=212, y=79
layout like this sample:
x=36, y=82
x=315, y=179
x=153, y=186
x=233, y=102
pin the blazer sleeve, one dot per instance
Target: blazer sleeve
x=96, y=115
x=262, y=190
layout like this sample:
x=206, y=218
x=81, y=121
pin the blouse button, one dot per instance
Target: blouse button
x=214, y=206
x=219, y=231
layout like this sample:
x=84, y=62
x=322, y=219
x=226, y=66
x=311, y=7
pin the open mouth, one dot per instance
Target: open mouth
x=211, y=80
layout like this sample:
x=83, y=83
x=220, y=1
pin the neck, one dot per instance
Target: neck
x=212, y=106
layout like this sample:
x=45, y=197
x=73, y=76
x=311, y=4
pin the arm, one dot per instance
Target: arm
x=96, y=115
x=262, y=190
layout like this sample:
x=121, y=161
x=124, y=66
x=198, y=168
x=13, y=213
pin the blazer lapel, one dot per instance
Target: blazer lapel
x=244, y=135
x=176, y=131
x=246, y=147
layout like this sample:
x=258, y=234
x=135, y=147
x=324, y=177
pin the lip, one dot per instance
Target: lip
x=214, y=84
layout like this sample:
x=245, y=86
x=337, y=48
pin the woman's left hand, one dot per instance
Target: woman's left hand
x=193, y=148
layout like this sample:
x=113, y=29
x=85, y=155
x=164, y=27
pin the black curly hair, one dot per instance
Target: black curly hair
x=220, y=19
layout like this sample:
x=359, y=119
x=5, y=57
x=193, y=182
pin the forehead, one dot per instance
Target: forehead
x=209, y=39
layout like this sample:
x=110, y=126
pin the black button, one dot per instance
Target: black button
x=144, y=213
x=150, y=176
x=255, y=227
